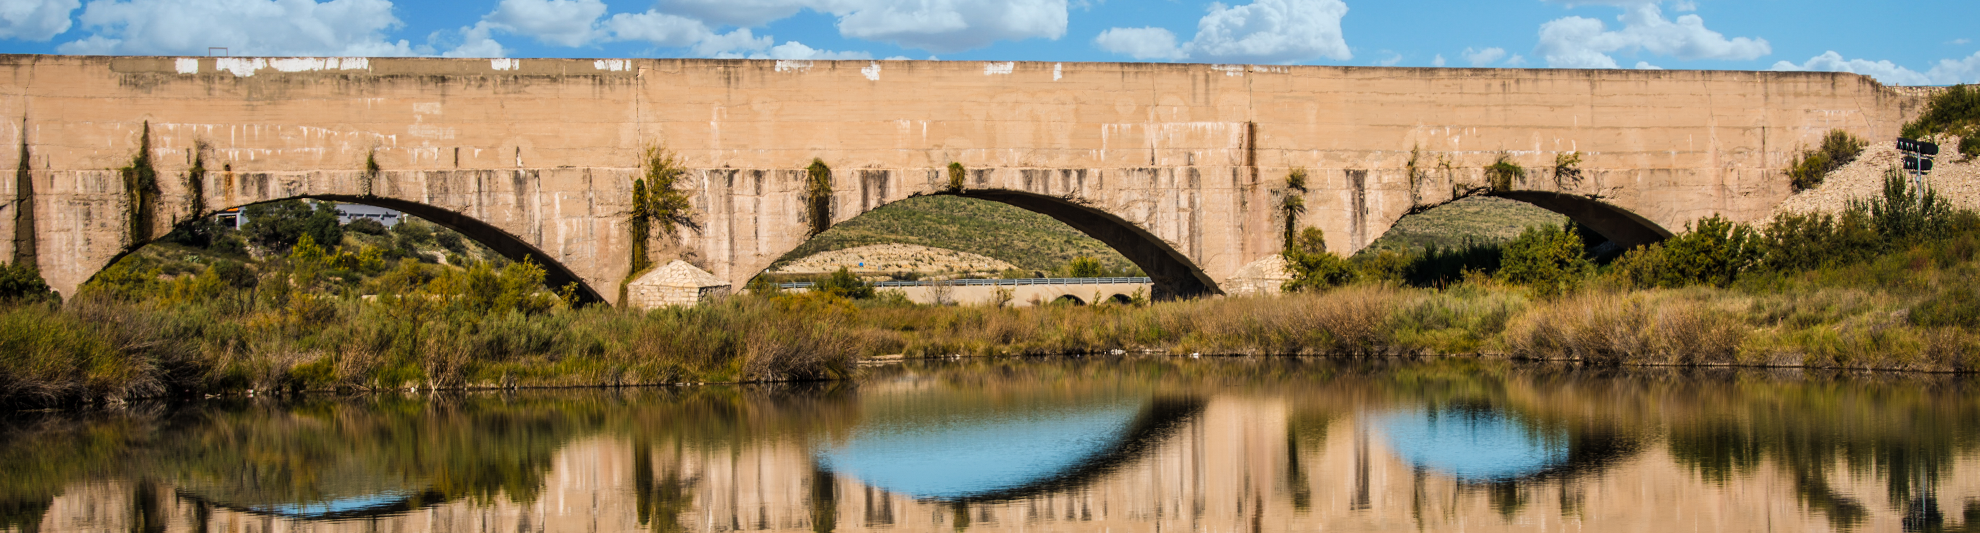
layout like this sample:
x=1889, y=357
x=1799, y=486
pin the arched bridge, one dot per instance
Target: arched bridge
x=1180, y=167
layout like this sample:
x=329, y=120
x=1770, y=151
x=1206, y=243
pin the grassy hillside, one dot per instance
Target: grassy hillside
x=1483, y=220
x=1029, y=240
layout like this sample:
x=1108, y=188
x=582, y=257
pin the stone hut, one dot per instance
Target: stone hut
x=1263, y=277
x=677, y=283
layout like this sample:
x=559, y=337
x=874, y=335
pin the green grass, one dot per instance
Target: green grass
x=1474, y=220
x=1029, y=240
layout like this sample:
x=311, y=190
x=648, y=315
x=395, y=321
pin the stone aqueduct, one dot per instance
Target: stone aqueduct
x=1181, y=167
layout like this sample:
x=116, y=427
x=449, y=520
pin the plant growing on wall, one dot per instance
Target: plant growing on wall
x=140, y=191
x=1503, y=173
x=1293, y=205
x=196, y=182
x=371, y=171
x=654, y=199
x=818, y=196
x=956, y=175
x=1567, y=168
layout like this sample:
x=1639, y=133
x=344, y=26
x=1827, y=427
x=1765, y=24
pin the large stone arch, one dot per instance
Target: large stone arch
x=571, y=222
x=555, y=274
x=1174, y=274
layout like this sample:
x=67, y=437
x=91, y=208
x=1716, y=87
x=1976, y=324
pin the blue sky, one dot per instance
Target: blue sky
x=1933, y=42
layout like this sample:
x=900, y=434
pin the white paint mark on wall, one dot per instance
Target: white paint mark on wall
x=611, y=65
x=787, y=65
x=505, y=64
x=1229, y=70
x=872, y=71
x=426, y=108
x=1007, y=67
x=1058, y=71
x=240, y=66
x=187, y=65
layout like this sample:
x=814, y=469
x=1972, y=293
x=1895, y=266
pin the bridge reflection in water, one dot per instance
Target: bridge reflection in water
x=1014, y=448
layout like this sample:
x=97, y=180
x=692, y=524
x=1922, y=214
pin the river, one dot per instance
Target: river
x=1104, y=444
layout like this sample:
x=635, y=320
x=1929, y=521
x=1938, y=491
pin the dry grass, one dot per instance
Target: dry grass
x=1652, y=327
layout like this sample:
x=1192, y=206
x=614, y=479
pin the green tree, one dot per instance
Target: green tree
x=1547, y=258
x=1084, y=267
x=277, y=226
x=844, y=285
x=1313, y=268
x=22, y=283
x=1714, y=252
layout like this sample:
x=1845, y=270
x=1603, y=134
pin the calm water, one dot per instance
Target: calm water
x=1095, y=444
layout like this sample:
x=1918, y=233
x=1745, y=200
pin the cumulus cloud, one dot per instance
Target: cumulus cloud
x=1264, y=31
x=35, y=20
x=1945, y=72
x=560, y=22
x=745, y=13
x=1140, y=43
x=1645, y=65
x=797, y=50
x=950, y=25
x=1579, y=42
x=1479, y=58
x=1438, y=61
x=245, y=27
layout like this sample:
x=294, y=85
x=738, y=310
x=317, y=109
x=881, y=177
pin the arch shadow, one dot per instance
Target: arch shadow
x=1174, y=275
x=555, y=274
x=1620, y=226
x=1120, y=299
x=1069, y=299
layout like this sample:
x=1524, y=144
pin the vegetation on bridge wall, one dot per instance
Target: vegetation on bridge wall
x=958, y=177
x=818, y=197
x=25, y=239
x=1293, y=205
x=195, y=183
x=655, y=199
x=1838, y=148
x=140, y=192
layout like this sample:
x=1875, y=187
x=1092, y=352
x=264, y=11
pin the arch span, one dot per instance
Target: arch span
x=1175, y=276
x=555, y=274
x=1621, y=226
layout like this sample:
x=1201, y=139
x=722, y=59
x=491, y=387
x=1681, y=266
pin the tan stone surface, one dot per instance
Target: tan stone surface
x=542, y=151
x=676, y=283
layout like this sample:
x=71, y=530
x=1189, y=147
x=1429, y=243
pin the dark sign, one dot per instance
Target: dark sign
x=1915, y=163
x=1917, y=147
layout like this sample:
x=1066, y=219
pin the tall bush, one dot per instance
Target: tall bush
x=1312, y=266
x=1547, y=258
x=1838, y=148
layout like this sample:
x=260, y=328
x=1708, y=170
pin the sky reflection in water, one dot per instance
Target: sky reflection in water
x=1471, y=445
x=959, y=457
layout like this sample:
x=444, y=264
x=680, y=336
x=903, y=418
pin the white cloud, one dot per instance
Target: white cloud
x=569, y=23
x=745, y=13
x=950, y=25
x=661, y=29
x=1578, y=42
x=1945, y=72
x=1264, y=31
x=1479, y=58
x=1438, y=61
x=797, y=50
x=1959, y=41
x=1391, y=60
x=738, y=40
x=1272, y=31
x=1645, y=65
x=245, y=27
x=1516, y=61
x=35, y=20
x=1684, y=6
x=1140, y=43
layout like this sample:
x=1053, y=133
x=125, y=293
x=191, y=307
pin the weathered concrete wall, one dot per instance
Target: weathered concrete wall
x=1190, y=156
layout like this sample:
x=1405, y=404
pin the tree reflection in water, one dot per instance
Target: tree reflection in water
x=1316, y=436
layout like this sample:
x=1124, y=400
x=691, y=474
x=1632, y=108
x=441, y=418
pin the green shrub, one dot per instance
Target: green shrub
x=1904, y=216
x=844, y=284
x=1838, y=148
x=1794, y=242
x=22, y=283
x=1955, y=111
x=1956, y=307
x=1547, y=258
x=957, y=177
x=1714, y=252
x=1083, y=267
x=366, y=226
x=277, y=226
x=1312, y=267
x=1503, y=173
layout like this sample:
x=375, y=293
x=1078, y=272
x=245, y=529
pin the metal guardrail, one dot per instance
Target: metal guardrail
x=988, y=282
